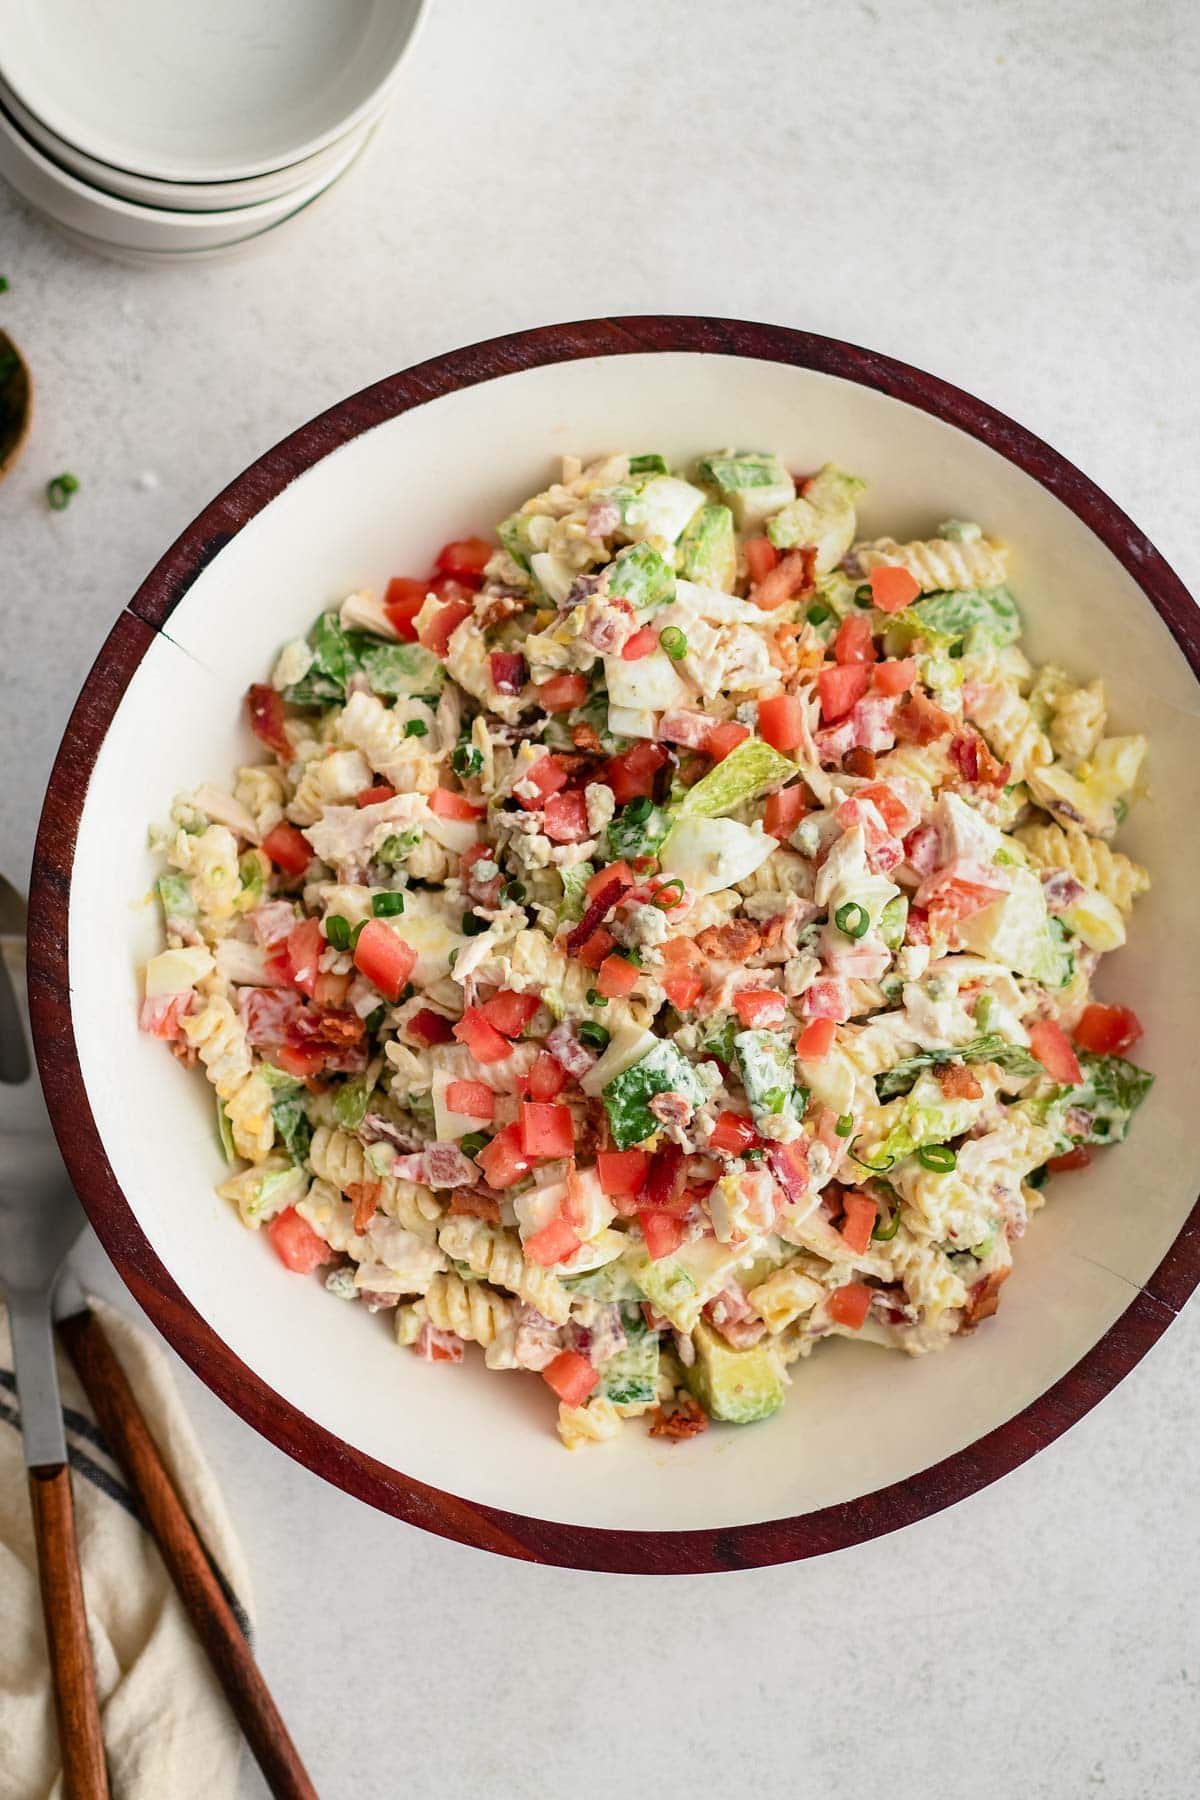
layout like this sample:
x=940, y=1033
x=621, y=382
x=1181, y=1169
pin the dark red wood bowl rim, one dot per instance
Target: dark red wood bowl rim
x=486, y=1527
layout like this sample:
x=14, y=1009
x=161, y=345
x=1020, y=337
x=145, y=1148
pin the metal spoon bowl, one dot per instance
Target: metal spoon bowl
x=16, y=402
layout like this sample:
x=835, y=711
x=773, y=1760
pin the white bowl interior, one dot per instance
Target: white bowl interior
x=856, y=1419
x=210, y=92
x=182, y=196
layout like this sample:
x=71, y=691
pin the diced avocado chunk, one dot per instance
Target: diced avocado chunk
x=767, y=1064
x=515, y=534
x=752, y=769
x=976, y=616
x=755, y=483
x=823, y=516
x=708, y=549
x=669, y=1289
x=640, y=575
x=175, y=897
x=664, y=1070
x=612, y=1282
x=630, y=1378
x=737, y=1387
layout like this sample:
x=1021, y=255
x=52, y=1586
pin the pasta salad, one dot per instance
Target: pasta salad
x=661, y=941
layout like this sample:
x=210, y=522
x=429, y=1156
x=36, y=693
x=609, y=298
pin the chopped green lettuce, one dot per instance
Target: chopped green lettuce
x=225, y=1132
x=664, y=1070
x=1019, y=932
x=402, y=669
x=337, y=654
x=1111, y=1092
x=990, y=1047
x=575, y=879
x=669, y=1288
x=650, y=464
x=973, y=616
x=751, y=770
x=756, y=483
x=292, y=1125
x=515, y=534
x=767, y=1064
x=612, y=1282
x=628, y=837
x=926, y=1117
x=350, y=1102
x=640, y=575
x=175, y=897
x=822, y=516
x=708, y=549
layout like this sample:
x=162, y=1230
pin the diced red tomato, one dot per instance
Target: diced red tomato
x=288, y=849
x=503, y=1160
x=552, y=1244
x=631, y=775
x=622, y=1171
x=473, y=1098
x=446, y=587
x=547, y=1078
x=841, y=688
x=384, y=958
x=160, y=1014
x=784, y=811
x=895, y=677
x=508, y=671
x=546, y=1131
x=430, y=1027
x=643, y=643
x=662, y=1232
x=375, y=796
x=1078, y=1158
x=592, y=952
x=816, y=1040
x=509, y=1012
x=562, y=693
x=445, y=622
x=861, y=1213
x=571, y=1376
x=719, y=740
x=682, y=991
x=892, y=588
x=854, y=643
x=547, y=775
x=1052, y=1047
x=433, y=1345
x=616, y=977
x=402, y=602
x=761, y=557
x=666, y=1182
x=781, y=721
x=896, y=814
x=444, y=803
x=849, y=1305
x=300, y=1060
x=565, y=818
x=267, y=719
x=296, y=1244
x=732, y=1133
x=465, y=559
x=759, y=1008
x=618, y=871
x=302, y=953
x=1107, y=1030
x=481, y=1037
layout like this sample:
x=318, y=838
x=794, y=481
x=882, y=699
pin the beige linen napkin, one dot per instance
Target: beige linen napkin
x=168, y=1732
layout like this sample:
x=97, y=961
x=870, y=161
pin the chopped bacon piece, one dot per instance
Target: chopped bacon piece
x=678, y=726
x=975, y=762
x=364, y=1196
x=983, y=1299
x=791, y=579
x=919, y=721
x=270, y=1015
x=267, y=720
x=508, y=671
x=733, y=942
x=597, y=911
x=473, y=1204
x=687, y=1420
x=789, y=1165
x=957, y=1081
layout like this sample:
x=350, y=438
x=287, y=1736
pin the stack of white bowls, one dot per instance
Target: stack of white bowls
x=159, y=131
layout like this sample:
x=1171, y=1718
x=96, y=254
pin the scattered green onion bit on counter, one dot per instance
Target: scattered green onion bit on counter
x=59, y=490
x=466, y=760
x=595, y=1036
x=845, y=1124
x=416, y=728
x=852, y=919
x=670, y=894
x=596, y=998
x=337, y=930
x=386, y=906
x=639, y=810
x=674, y=643
x=817, y=613
x=473, y=925
x=936, y=1156
x=474, y=1142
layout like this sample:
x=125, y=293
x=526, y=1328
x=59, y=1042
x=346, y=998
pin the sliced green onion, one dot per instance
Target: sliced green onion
x=852, y=919
x=337, y=930
x=775, y=1099
x=985, y=1006
x=473, y=925
x=669, y=895
x=374, y=1019
x=60, y=489
x=1038, y=1178
x=875, y=1168
x=474, y=1142
x=639, y=810
x=596, y=998
x=817, y=613
x=466, y=760
x=387, y=906
x=452, y=958
x=845, y=1124
x=416, y=728
x=593, y=1035
x=884, y=1233
x=673, y=642
x=516, y=892
x=863, y=597
x=936, y=1156
x=3, y=284
x=753, y=1155
x=356, y=934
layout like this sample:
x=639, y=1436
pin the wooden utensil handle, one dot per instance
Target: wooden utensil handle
x=133, y=1447
x=82, y=1745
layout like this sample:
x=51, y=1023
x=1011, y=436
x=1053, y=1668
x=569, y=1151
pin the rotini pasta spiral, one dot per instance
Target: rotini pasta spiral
x=1078, y=723
x=496, y=1255
x=329, y=780
x=1089, y=859
x=939, y=564
x=366, y=724
x=1011, y=729
x=262, y=789
x=217, y=1035
x=472, y=1310
x=341, y=1160
x=594, y=1423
